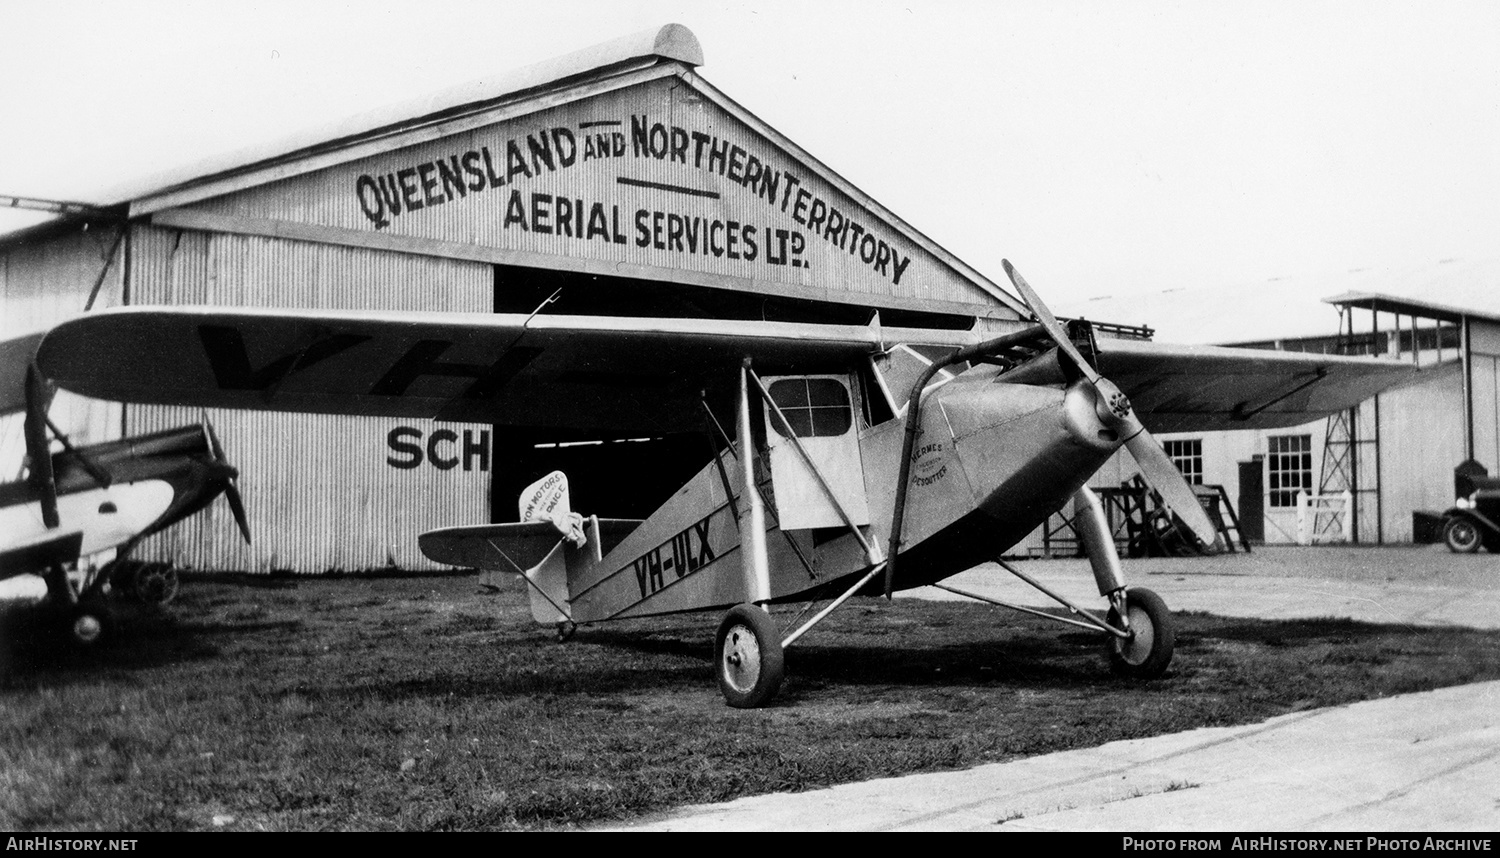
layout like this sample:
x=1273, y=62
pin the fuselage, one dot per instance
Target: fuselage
x=992, y=462
x=108, y=495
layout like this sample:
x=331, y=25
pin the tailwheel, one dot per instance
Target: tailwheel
x=1148, y=650
x=748, y=657
x=89, y=623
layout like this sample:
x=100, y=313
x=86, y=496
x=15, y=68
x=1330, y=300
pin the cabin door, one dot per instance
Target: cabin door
x=820, y=411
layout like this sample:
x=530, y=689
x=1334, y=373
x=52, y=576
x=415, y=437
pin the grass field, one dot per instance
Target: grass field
x=421, y=704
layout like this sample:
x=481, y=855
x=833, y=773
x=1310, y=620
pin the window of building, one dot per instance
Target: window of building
x=814, y=407
x=1288, y=468
x=1188, y=457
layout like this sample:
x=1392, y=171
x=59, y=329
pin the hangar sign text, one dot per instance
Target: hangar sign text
x=784, y=216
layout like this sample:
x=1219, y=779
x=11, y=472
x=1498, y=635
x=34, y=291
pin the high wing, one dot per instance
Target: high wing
x=1209, y=388
x=616, y=374
x=612, y=374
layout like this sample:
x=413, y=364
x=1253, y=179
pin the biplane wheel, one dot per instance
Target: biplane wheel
x=748, y=656
x=1461, y=535
x=155, y=584
x=1153, y=635
x=89, y=623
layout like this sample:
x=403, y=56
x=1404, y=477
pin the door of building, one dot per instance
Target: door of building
x=1252, y=504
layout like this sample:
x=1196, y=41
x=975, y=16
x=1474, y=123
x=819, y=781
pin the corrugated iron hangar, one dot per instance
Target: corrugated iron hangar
x=616, y=175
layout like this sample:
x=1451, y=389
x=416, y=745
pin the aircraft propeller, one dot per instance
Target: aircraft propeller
x=231, y=491
x=1114, y=407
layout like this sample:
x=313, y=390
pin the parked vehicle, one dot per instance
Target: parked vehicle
x=1475, y=519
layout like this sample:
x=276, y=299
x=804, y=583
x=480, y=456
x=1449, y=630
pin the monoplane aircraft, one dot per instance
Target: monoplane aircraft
x=848, y=460
x=85, y=500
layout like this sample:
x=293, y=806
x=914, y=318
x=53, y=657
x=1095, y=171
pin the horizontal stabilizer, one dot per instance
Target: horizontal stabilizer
x=34, y=558
x=481, y=546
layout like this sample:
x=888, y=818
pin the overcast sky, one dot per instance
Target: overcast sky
x=1104, y=147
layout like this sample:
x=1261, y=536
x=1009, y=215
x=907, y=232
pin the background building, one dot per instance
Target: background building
x=615, y=180
x=1395, y=454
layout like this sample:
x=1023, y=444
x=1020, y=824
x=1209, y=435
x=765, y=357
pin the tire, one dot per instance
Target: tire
x=748, y=657
x=89, y=624
x=1153, y=636
x=1462, y=535
x=155, y=584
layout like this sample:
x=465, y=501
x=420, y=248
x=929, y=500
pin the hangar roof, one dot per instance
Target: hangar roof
x=1409, y=307
x=1238, y=311
x=724, y=200
x=669, y=43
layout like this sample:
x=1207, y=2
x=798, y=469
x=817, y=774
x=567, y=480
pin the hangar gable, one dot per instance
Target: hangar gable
x=647, y=172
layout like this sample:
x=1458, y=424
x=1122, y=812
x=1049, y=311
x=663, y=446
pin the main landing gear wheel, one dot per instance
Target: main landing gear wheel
x=1148, y=651
x=155, y=584
x=1461, y=535
x=748, y=657
x=88, y=623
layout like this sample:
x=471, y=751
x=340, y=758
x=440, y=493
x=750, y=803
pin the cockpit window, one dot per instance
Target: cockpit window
x=814, y=407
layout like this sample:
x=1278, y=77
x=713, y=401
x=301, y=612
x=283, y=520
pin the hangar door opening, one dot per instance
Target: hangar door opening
x=617, y=475
x=607, y=477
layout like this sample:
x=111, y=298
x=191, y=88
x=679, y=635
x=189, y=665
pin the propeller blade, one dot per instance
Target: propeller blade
x=231, y=491
x=213, y=439
x=237, y=506
x=1054, y=328
x=1156, y=466
x=1162, y=475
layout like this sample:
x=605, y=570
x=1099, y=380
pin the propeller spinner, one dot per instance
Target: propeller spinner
x=1114, y=407
x=231, y=491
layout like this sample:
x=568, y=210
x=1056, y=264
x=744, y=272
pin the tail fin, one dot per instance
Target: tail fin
x=547, y=500
x=540, y=546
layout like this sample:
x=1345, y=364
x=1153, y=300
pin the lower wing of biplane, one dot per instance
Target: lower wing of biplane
x=847, y=460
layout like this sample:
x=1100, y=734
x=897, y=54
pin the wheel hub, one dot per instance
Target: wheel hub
x=741, y=658
x=1137, y=648
x=87, y=628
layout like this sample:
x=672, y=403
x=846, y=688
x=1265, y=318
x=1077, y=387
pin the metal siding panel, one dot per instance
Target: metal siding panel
x=1485, y=372
x=319, y=492
x=1367, y=473
x=625, y=194
x=1421, y=441
x=42, y=284
x=1484, y=337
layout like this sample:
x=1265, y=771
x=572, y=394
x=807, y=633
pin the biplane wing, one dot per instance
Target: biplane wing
x=620, y=374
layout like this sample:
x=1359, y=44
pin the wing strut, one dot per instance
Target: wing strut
x=755, y=561
x=712, y=424
x=872, y=552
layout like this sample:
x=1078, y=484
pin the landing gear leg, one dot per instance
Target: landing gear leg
x=1150, y=633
